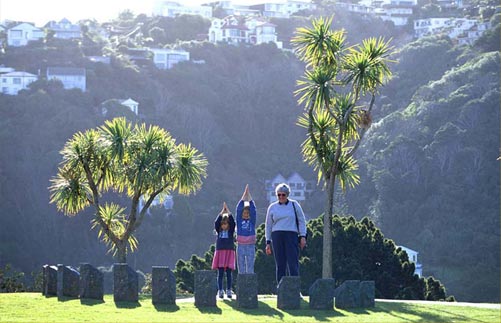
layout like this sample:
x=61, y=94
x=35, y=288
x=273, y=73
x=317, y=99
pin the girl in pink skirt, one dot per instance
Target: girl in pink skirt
x=224, y=256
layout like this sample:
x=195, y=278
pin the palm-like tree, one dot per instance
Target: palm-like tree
x=336, y=82
x=138, y=161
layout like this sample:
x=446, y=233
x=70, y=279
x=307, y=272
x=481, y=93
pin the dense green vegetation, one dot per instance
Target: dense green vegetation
x=428, y=169
x=359, y=251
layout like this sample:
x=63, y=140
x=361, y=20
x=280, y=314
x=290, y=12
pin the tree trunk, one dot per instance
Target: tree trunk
x=121, y=252
x=327, y=240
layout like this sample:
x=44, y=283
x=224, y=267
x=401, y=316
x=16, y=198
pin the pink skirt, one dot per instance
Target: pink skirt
x=224, y=259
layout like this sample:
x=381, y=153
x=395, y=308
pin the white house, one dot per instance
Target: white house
x=131, y=104
x=262, y=32
x=127, y=104
x=64, y=29
x=165, y=58
x=238, y=29
x=413, y=257
x=462, y=30
x=300, y=188
x=471, y=35
x=23, y=33
x=283, y=9
x=167, y=204
x=71, y=77
x=13, y=82
x=173, y=9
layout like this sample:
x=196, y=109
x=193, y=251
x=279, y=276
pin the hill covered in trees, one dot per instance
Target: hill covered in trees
x=429, y=174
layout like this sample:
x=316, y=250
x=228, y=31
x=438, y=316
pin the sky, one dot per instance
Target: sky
x=42, y=11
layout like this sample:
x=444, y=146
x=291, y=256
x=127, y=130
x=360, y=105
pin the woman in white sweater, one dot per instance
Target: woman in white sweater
x=285, y=232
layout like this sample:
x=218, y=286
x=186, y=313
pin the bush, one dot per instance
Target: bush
x=11, y=281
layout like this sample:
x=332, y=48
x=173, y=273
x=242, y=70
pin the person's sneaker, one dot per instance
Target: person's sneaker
x=221, y=294
x=228, y=293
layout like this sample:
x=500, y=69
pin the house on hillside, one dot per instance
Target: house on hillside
x=23, y=33
x=412, y=254
x=64, y=29
x=283, y=9
x=173, y=9
x=460, y=30
x=165, y=58
x=13, y=82
x=300, y=188
x=125, y=103
x=231, y=30
x=164, y=206
x=71, y=77
x=243, y=30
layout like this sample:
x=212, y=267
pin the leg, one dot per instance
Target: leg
x=241, y=258
x=220, y=272
x=250, y=260
x=292, y=253
x=279, y=254
x=228, y=278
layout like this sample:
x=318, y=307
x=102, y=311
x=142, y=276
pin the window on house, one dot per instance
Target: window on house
x=16, y=80
x=16, y=33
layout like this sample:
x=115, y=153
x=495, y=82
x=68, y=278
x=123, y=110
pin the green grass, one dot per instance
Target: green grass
x=33, y=307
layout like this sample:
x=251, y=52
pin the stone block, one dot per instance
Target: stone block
x=367, y=293
x=348, y=294
x=68, y=282
x=125, y=283
x=247, y=291
x=163, y=286
x=91, y=282
x=49, y=280
x=205, y=288
x=322, y=294
x=289, y=293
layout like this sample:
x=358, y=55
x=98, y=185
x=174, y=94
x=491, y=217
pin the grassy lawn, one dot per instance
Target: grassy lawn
x=33, y=307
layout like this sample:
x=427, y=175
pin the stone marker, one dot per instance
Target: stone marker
x=367, y=293
x=68, y=282
x=49, y=280
x=288, y=293
x=91, y=282
x=163, y=286
x=348, y=294
x=125, y=283
x=322, y=294
x=247, y=291
x=205, y=288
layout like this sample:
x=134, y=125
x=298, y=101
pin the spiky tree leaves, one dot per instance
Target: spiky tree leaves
x=336, y=82
x=140, y=161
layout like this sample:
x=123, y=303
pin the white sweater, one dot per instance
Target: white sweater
x=281, y=217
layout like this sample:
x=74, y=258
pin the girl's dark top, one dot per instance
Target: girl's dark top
x=225, y=241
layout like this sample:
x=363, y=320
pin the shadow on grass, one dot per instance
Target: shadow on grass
x=66, y=298
x=399, y=310
x=127, y=304
x=91, y=301
x=166, y=307
x=262, y=309
x=319, y=315
x=209, y=309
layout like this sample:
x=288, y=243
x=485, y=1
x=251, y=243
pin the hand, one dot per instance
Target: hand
x=246, y=196
x=225, y=209
x=268, y=249
x=302, y=243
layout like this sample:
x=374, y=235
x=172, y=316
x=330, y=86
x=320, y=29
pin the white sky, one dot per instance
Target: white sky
x=42, y=11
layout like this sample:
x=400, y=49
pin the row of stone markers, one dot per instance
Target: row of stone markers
x=88, y=283
x=67, y=282
x=351, y=294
